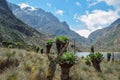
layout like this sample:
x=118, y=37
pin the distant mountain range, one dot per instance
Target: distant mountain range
x=45, y=22
x=14, y=30
x=107, y=38
x=103, y=39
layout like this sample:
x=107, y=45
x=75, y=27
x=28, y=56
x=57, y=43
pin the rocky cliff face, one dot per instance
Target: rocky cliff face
x=14, y=30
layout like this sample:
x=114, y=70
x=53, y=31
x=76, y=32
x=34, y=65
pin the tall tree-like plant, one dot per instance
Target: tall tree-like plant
x=92, y=49
x=108, y=56
x=48, y=46
x=60, y=42
x=67, y=60
x=53, y=62
x=96, y=59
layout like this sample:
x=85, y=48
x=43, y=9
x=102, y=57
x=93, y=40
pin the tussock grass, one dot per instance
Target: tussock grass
x=33, y=66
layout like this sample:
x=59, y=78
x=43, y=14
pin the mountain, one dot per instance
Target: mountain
x=45, y=22
x=108, y=37
x=14, y=30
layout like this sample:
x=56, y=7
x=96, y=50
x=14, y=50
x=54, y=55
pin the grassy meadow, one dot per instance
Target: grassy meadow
x=33, y=66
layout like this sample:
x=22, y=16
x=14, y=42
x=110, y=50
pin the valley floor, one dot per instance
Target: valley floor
x=33, y=66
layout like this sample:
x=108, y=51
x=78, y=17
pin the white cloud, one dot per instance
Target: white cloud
x=114, y=3
x=78, y=4
x=84, y=32
x=24, y=5
x=98, y=19
x=95, y=3
x=48, y=4
x=59, y=12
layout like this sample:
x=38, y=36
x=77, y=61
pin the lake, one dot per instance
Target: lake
x=116, y=54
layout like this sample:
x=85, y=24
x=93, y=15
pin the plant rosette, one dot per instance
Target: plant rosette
x=68, y=59
x=61, y=39
x=98, y=57
x=48, y=45
x=60, y=42
x=49, y=42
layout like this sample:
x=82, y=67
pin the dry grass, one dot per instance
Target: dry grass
x=33, y=66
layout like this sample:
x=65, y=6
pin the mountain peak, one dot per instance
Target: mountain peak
x=26, y=6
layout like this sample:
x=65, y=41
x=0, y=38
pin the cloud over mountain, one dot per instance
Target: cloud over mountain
x=59, y=12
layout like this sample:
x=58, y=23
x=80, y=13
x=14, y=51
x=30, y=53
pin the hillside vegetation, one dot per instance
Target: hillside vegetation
x=33, y=66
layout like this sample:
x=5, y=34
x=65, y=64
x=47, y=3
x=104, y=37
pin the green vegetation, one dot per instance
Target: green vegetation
x=68, y=58
x=8, y=60
x=96, y=59
x=48, y=46
x=33, y=66
x=108, y=56
x=92, y=49
x=60, y=43
x=10, y=46
x=61, y=38
x=49, y=42
x=88, y=60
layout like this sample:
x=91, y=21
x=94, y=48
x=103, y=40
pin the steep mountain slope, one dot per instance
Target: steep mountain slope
x=108, y=37
x=13, y=30
x=44, y=21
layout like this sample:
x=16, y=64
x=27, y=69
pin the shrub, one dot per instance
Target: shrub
x=10, y=46
x=87, y=60
x=37, y=48
x=18, y=44
x=8, y=61
x=12, y=77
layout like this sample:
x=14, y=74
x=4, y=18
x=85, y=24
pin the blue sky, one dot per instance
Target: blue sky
x=83, y=16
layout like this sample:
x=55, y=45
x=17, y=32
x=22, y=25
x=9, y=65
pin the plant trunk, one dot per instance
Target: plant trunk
x=65, y=74
x=41, y=51
x=108, y=58
x=113, y=57
x=65, y=70
x=97, y=66
x=48, y=48
x=58, y=45
x=51, y=70
x=53, y=62
x=63, y=44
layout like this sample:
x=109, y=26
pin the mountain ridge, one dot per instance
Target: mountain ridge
x=14, y=30
x=100, y=38
x=107, y=36
x=45, y=21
